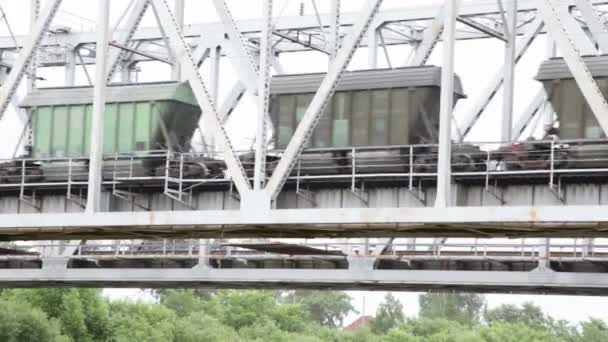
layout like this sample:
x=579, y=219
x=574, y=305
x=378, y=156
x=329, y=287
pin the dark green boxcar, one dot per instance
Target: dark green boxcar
x=139, y=117
x=576, y=119
x=386, y=107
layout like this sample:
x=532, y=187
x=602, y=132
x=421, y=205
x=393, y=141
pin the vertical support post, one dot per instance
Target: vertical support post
x=179, y=10
x=447, y=106
x=259, y=176
x=509, y=76
x=548, y=114
x=214, y=72
x=34, y=14
x=214, y=80
x=99, y=94
x=334, y=38
x=70, y=68
x=372, y=47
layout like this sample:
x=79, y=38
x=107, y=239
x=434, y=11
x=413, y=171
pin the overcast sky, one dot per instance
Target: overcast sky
x=475, y=62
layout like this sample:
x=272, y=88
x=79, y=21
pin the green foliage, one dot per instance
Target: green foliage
x=199, y=327
x=528, y=314
x=594, y=331
x=73, y=315
x=464, y=308
x=516, y=332
x=82, y=314
x=19, y=321
x=141, y=322
x=327, y=308
x=182, y=302
x=389, y=315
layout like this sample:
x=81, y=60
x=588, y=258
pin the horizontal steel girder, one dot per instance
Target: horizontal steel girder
x=287, y=23
x=387, y=280
x=550, y=221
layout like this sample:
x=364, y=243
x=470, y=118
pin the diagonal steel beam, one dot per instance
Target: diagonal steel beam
x=322, y=97
x=204, y=98
x=575, y=62
x=592, y=19
x=240, y=56
x=8, y=89
x=534, y=108
x=430, y=38
x=497, y=81
x=124, y=36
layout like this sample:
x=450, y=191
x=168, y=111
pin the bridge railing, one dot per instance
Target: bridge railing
x=326, y=250
x=547, y=160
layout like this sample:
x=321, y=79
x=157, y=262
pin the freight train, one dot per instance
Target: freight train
x=378, y=121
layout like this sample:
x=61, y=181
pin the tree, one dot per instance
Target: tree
x=594, y=330
x=327, y=308
x=82, y=313
x=459, y=307
x=199, y=327
x=141, y=322
x=528, y=314
x=516, y=332
x=182, y=302
x=388, y=315
x=19, y=321
x=433, y=330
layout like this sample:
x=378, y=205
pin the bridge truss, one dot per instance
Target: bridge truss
x=257, y=195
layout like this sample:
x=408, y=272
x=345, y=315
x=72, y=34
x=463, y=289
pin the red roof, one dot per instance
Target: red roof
x=361, y=322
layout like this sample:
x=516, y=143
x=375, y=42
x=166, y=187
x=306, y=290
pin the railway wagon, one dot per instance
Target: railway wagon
x=576, y=120
x=138, y=118
x=378, y=112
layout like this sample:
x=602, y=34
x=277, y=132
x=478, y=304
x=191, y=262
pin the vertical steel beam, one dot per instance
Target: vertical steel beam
x=575, y=62
x=10, y=85
x=372, y=48
x=99, y=99
x=321, y=99
x=509, y=71
x=447, y=106
x=496, y=82
x=214, y=73
x=203, y=96
x=259, y=175
x=70, y=67
x=240, y=56
x=34, y=16
x=179, y=12
x=593, y=21
x=132, y=23
x=334, y=37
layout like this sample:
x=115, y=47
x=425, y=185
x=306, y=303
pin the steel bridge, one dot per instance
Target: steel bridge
x=69, y=227
x=577, y=267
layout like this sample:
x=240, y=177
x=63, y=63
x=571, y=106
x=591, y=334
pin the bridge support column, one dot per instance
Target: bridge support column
x=447, y=106
x=361, y=266
x=204, y=252
x=55, y=263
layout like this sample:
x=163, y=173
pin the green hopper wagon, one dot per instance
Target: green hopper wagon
x=138, y=117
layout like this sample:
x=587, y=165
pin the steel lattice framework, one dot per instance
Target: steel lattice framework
x=576, y=28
